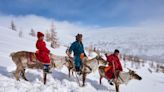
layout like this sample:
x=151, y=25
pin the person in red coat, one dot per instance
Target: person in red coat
x=114, y=66
x=42, y=53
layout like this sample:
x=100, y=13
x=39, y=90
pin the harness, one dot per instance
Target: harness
x=29, y=57
x=125, y=78
x=121, y=78
x=71, y=61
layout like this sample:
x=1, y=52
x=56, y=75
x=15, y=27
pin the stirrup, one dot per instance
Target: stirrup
x=79, y=73
x=47, y=71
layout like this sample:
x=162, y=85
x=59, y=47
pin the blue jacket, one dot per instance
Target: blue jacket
x=77, y=48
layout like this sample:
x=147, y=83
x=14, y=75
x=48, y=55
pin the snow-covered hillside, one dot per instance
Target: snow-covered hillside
x=59, y=80
x=144, y=42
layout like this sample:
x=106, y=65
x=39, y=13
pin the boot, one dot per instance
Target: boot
x=110, y=82
x=78, y=70
x=46, y=69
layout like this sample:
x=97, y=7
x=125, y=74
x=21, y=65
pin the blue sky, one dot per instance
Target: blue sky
x=88, y=12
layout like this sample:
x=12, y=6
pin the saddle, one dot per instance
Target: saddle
x=31, y=58
x=107, y=68
x=83, y=65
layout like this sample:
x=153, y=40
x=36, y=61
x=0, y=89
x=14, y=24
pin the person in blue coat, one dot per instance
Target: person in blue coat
x=78, y=50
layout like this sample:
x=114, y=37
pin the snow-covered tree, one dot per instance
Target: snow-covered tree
x=13, y=26
x=32, y=33
x=54, y=39
x=48, y=36
x=20, y=34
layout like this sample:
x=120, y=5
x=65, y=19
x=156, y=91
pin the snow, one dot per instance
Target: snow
x=144, y=42
x=59, y=80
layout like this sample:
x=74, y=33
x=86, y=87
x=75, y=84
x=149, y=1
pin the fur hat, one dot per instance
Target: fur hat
x=116, y=51
x=78, y=36
x=40, y=34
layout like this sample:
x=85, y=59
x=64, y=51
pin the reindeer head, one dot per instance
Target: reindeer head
x=99, y=58
x=134, y=75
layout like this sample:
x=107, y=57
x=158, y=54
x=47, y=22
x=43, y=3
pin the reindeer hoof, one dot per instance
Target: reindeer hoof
x=26, y=80
x=83, y=85
x=17, y=79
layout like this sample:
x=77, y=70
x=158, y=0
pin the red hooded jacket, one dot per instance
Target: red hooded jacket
x=43, y=53
x=113, y=58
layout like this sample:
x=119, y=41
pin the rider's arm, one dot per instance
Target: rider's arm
x=72, y=47
x=120, y=66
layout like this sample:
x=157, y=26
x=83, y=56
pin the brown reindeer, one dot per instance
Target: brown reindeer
x=25, y=59
x=123, y=78
x=89, y=65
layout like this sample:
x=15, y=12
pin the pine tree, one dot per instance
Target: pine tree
x=54, y=39
x=32, y=33
x=48, y=36
x=13, y=27
x=20, y=34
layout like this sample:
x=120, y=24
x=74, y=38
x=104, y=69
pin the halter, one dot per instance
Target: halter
x=126, y=79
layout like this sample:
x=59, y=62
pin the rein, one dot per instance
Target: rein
x=121, y=78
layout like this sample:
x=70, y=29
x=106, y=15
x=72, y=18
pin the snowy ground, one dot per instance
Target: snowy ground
x=59, y=80
x=144, y=42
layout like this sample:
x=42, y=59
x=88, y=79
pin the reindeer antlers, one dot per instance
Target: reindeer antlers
x=131, y=70
x=97, y=52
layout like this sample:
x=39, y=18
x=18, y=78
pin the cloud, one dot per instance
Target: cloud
x=40, y=23
x=92, y=12
x=150, y=31
x=66, y=30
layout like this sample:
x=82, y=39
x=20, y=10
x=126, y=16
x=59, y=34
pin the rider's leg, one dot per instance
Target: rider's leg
x=46, y=68
x=78, y=64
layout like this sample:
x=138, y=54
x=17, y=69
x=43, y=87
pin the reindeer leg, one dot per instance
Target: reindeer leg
x=17, y=74
x=117, y=87
x=84, y=77
x=23, y=75
x=18, y=71
x=69, y=70
x=45, y=77
x=72, y=73
x=100, y=79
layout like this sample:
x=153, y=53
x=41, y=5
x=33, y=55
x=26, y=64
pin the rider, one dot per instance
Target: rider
x=114, y=66
x=43, y=52
x=78, y=50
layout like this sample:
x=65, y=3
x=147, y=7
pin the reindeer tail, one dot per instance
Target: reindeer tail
x=11, y=54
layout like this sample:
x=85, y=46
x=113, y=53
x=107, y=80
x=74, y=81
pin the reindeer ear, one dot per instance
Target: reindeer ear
x=129, y=70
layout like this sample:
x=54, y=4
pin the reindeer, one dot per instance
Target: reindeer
x=25, y=59
x=89, y=65
x=123, y=78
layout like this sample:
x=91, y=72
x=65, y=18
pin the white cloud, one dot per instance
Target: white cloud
x=146, y=33
x=64, y=27
x=39, y=23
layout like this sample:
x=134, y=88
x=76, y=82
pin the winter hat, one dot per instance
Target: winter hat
x=116, y=51
x=40, y=34
x=78, y=36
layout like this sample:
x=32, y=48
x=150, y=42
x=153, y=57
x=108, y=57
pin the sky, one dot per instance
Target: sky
x=86, y=16
x=104, y=13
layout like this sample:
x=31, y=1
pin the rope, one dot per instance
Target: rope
x=121, y=78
